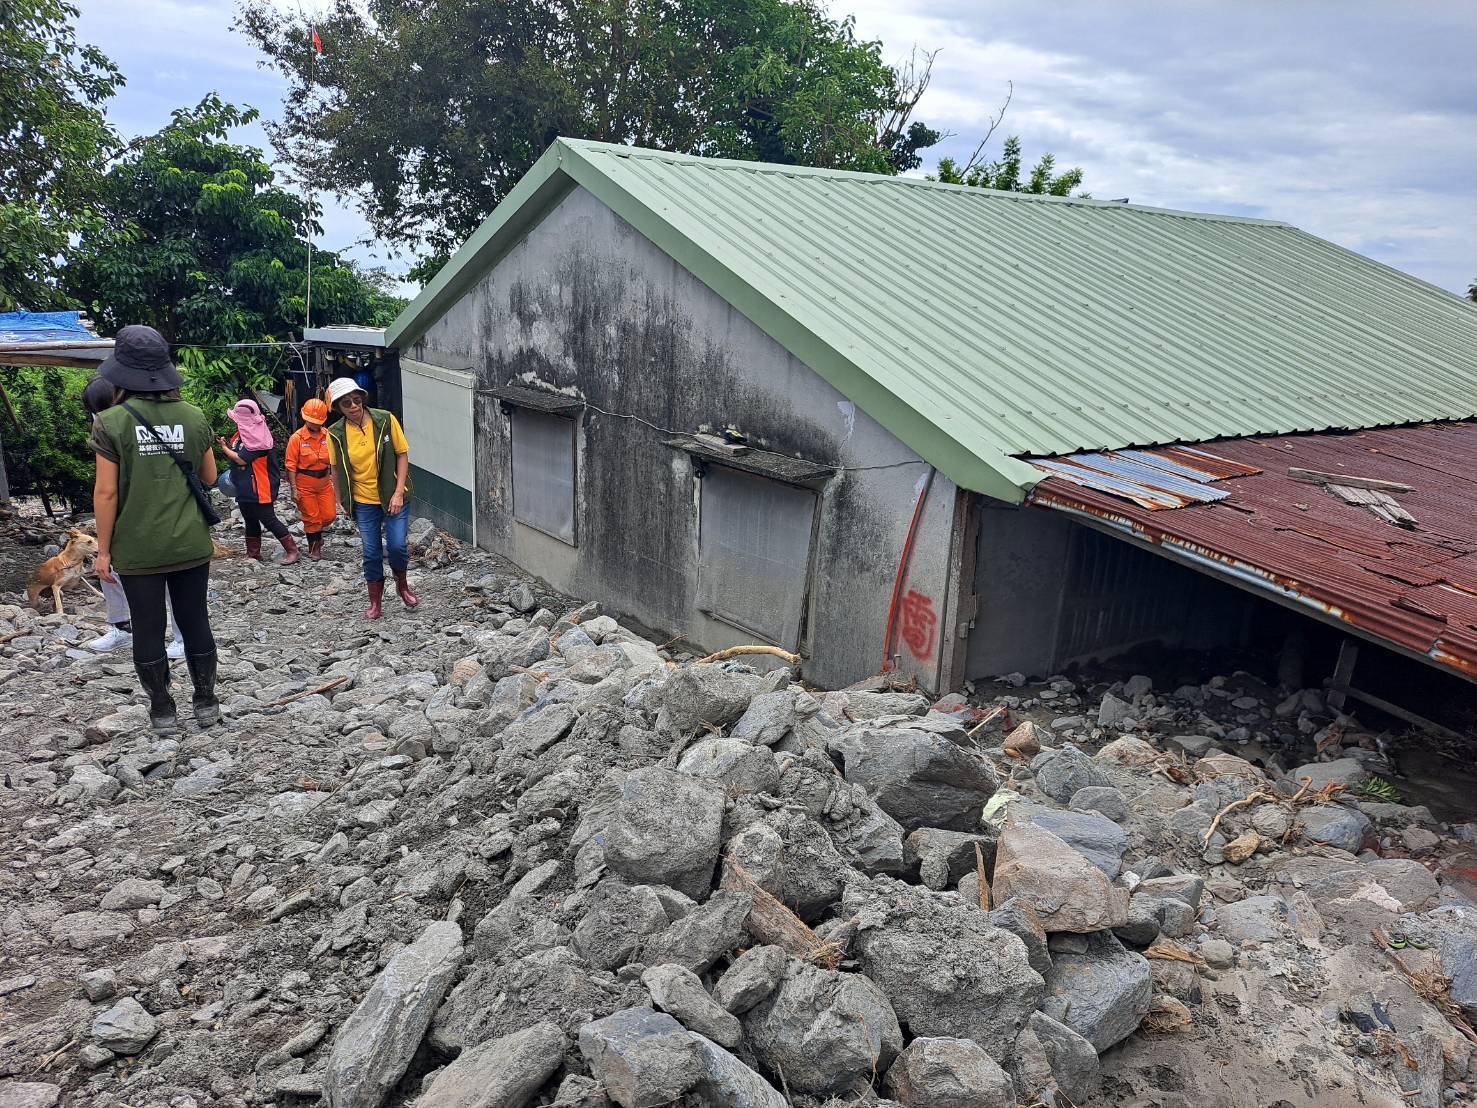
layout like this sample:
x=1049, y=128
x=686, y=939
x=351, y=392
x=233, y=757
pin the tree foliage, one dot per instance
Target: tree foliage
x=430, y=113
x=47, y=453
x=1005, y=173
x=202, y=244
x=54, y=141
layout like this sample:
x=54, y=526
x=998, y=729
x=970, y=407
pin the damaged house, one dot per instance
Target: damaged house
x=888, y=423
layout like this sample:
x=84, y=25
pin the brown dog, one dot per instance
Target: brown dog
x=67, y=568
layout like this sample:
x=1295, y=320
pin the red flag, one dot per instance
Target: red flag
x=317, y=42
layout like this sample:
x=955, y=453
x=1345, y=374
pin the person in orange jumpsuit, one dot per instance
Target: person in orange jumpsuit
x=311, y=476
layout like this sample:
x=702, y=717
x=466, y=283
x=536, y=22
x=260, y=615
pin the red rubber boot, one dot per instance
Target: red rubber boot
x=376, y=600
x=402, y=586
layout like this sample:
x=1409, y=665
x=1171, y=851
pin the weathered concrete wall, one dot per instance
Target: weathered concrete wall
x=587, y=304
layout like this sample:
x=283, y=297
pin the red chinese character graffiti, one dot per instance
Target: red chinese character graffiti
x=919, y=625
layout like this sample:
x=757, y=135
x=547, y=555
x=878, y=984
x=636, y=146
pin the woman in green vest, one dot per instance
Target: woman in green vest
x=151, y=532
x=371, y=467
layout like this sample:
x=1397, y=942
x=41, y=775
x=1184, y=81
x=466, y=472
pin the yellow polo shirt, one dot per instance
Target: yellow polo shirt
x=363, y=471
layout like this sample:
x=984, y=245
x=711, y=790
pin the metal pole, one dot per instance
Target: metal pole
x=308, y=302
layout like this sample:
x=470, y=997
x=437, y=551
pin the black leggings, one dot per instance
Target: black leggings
x=258, y=516
x=187, y=588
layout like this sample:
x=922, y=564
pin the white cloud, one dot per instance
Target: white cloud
x=1353, y=120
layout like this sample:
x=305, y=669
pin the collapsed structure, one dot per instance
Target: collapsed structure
x=824, y=410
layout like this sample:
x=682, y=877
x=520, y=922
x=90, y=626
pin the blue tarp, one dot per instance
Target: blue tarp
x=29, y=327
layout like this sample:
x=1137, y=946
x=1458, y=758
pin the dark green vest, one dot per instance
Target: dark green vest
x=159, y=525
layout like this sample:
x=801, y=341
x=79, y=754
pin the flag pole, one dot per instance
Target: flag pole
x=312, y=81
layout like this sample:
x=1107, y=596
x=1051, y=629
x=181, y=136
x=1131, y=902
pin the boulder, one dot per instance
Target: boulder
x=943, y=857
x=619, y=919
x=740, y=766
x=1049, y=1051
x=680, y=993
x=85, y=930
x=1403, y=879
x=919, y=777
x=753, y=976
x=696, y=695
x=1101, y=994
x=1098, y=839
x=665, y=829
x=1061, y=772
x=947, y=971
x=948, y=1073
x=1348, y=772
x=825, y=1031
x=704, y=935
x=791, y=857
x=1067, y=892
x=728, y=1083
x=641, y=1057
x=519, y=925
x=1128, y=751
x=125, y=1028
x=766, y=720
x=30, y=1094
x=1113, y=711
x=1020, y=919
x=1186, y=887
x=553, y=986
x=500, y=1073
x=376, y=1043
x=1255, y=919
x=1027, y=740
x=1335, y=825
x=1104, y=800
x=131, y=893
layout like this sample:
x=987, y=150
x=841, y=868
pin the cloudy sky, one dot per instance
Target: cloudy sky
x=1353, y=119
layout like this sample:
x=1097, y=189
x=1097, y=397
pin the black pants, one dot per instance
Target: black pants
x=258, y=516
x=187, y=588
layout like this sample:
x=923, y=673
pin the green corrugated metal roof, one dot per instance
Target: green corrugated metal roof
x=981, y=326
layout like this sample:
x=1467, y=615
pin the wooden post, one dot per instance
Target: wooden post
x=1343, y=673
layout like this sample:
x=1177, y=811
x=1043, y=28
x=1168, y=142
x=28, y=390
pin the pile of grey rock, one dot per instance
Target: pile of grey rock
x=512, y=854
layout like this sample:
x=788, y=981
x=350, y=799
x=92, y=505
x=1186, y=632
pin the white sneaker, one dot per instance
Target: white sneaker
x=176, y=648
x=114, y=638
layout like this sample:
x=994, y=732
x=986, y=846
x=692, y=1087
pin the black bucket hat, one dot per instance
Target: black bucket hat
x=140, y=361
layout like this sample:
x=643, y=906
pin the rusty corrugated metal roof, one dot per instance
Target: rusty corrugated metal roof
x=1415, y=589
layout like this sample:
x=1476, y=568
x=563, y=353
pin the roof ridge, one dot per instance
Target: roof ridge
x=698, y=161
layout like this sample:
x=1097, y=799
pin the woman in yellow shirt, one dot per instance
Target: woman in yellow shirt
x=371, y=466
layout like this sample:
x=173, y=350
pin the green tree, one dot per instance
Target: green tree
x=202, y=244
x=429, y=114
x=46, y=451
x=1005, y=174
x=54, y=142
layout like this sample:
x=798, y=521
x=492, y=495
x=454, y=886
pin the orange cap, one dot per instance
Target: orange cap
x=315, y=411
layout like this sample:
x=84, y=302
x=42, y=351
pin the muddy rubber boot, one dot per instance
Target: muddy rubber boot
x=290, y=550
x=202, y=675
x=154, y=676
x=402, y=586
x=315, y=547
x=376, y=599
x=254, y=548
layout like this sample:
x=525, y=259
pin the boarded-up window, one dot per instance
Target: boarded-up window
x=543, y=472
x=754, y=553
